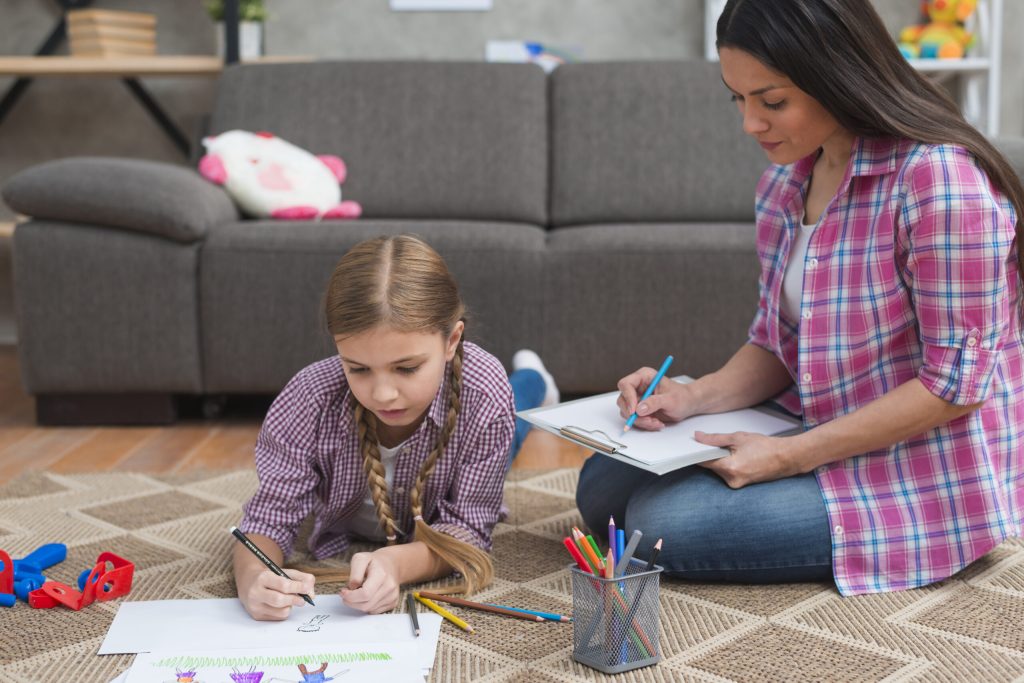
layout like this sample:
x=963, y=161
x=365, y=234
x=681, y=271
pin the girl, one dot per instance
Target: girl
x=404, y=437
x=890, y=317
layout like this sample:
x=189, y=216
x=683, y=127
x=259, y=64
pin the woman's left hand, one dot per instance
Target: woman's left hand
x=752, y=457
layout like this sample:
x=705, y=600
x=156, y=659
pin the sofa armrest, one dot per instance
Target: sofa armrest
x=145, y=196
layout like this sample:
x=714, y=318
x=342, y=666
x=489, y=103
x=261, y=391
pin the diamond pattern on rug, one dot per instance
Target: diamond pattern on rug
x=136, y=513
x=775, y=653
x=984, y=615
x=173, y=528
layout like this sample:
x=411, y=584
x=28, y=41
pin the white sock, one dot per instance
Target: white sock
x=525, y=359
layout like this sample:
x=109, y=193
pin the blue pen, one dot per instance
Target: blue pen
x=650, y=390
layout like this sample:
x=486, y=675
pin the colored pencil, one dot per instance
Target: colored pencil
x=483, y=607
x=650, y=390
x=620, y=547
x=410, y=606
x=574, y=550
x=627, y=555
x=547, y=616
x=443, y=612
x=611, y=539
x=654, y=555
x=597, y=552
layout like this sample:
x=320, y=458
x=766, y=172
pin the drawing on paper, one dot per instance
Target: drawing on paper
x=314, y=623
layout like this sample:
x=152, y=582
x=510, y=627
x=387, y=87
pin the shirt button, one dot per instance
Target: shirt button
x=971, y=341
x=838, y=530
x=807, y=315
x=813, y=263
x=985, y=345
x=399, y=489
x=807, y=377
x=822, y=470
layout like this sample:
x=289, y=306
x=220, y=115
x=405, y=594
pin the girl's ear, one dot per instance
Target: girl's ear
x=452, y=344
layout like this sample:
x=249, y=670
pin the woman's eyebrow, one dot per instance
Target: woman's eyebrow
x=759, y=91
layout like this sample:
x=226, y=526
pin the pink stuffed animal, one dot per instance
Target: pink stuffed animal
x=268, y=176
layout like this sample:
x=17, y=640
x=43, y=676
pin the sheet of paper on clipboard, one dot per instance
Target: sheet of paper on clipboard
x=594, y=422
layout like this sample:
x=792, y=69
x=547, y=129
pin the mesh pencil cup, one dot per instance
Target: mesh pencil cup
x=616, y=621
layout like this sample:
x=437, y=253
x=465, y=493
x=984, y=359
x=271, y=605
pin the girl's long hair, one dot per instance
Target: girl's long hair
x=840, y=53
x=403, y=284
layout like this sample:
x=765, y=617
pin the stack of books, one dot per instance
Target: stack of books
x=109, y=33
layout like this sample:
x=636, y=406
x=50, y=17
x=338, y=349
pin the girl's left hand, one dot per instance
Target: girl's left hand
x=752, y=458
x=372, y=585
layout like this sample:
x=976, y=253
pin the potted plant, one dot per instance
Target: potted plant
x=251, y=15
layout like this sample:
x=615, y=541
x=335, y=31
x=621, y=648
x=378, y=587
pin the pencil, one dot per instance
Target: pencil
x=261, y=556
x=410, y=606
x=548, y=616
x=443, y=612
x=654, y=555
x=480, y=606
x=650, y=390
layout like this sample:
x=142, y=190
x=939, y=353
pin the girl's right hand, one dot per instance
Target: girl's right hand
x=671, y=401
x=269, y=597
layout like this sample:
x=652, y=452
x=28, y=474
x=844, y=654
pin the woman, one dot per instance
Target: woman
x=889, y=317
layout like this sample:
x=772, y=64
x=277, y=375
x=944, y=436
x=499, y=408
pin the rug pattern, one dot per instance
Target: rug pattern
x=968, y=628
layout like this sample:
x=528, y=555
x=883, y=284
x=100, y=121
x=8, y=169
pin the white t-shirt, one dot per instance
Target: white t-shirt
x=793, y=278
x=365, y=523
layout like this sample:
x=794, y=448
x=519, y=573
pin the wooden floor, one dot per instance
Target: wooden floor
x=190, y=444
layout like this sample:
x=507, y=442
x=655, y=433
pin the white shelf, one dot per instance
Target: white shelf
x=969, y=64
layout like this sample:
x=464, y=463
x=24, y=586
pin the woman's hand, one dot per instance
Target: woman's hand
x=752, y=458
x=269, y=597
x=670, y=402
x=373, y=584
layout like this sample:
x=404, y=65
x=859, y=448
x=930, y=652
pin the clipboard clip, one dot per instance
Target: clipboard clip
x=589, y=438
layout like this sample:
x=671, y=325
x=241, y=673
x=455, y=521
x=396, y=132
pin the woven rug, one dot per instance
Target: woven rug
x=969, y=628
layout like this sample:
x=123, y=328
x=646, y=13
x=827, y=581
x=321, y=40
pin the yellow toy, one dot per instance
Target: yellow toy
x=944, y=36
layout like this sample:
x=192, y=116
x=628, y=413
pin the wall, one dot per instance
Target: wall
x=64, y=117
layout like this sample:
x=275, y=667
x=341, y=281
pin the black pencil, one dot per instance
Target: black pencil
x=261, y=556
x=654, y=555
x=410, y=605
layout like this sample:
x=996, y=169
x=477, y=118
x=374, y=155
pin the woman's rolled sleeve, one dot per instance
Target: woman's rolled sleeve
x=960, y=239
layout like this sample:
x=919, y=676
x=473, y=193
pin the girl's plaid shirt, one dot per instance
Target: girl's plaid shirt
x=309, y=459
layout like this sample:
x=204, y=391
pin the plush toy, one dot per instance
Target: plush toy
x=944, y=36
x=268, y=176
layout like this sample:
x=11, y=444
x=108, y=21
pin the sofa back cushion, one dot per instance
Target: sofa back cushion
x=649, y=141
x=420, y=139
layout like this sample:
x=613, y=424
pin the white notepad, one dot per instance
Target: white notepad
x=594, y=422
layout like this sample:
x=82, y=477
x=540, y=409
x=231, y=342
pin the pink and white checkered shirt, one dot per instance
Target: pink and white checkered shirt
x=309, y=459
x=911, y=273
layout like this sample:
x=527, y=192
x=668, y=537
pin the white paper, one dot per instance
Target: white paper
x=122, y=678
x=391, y=662
x=179, y=625
x=673, y=445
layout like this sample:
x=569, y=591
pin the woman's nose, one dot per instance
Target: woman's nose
x=753, y=124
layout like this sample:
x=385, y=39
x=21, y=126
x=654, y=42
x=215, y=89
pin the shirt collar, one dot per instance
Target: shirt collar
x=870, y=157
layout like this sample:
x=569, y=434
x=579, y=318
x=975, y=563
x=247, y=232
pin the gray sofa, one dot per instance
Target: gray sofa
x=601, y=215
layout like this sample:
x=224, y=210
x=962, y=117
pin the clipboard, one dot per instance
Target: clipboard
x=594, y=423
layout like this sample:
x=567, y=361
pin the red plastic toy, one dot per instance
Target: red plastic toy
x=102, y=584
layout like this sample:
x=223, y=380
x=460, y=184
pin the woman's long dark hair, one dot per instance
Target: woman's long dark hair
x=840, y=53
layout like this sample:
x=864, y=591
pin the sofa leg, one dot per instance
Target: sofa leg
x=105, y=409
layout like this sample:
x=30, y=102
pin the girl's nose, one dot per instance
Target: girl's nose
x=384, y=392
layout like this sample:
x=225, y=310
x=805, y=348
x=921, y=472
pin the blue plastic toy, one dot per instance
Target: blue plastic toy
x=28, y=571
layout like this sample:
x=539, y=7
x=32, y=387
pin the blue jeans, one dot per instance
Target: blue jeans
x=528, y=391
x=772, y=532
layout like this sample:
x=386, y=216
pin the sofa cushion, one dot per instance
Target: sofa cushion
x=656, y=141
x=144, y=196
x=420, y=139
x=263, y=283
x=689, y=289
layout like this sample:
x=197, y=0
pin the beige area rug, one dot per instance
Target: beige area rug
x=969, y=628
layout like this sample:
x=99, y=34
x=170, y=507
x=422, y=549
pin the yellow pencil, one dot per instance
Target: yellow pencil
x=443, y=612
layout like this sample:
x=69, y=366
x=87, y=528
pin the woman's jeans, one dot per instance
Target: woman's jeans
x=528, y=390
x=771, y=532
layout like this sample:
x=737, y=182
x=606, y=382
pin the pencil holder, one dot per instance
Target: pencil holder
x=616, y=621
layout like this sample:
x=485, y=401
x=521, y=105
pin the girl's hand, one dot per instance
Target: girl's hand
x=373, y=585
x=670, y=402
x=269, y=597
x=752, y=458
